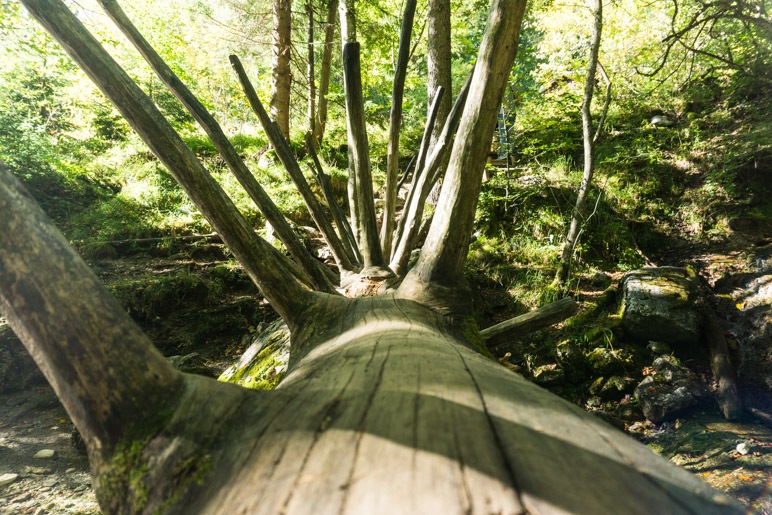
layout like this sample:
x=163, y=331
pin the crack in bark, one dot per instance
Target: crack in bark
x=496, y=437
x=361, y=425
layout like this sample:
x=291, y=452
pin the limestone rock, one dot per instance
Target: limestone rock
x=660, y=304
x=7, y=479
x=45, y=454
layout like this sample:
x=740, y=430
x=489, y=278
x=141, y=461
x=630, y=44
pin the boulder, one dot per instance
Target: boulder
x=660, y=304
x=669, y=392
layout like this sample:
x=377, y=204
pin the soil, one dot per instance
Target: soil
x=207, y=319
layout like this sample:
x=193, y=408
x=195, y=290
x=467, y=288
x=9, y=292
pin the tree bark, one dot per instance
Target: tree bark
x=577, y=219
x=281, y=74
x=311, y=71
x=395, y=125
x=438, y=60
x=441, y=264
x=348, y=25
x=359, y=155
x=258, y=195
x=532, y=321
x=264, y=264
x=324, y=73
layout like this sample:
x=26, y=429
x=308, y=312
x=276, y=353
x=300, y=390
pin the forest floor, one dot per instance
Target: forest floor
x=201, y=309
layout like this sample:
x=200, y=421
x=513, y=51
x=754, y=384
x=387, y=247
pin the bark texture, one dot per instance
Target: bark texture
x=324, y=73
x=438, y=60
x=281, y=75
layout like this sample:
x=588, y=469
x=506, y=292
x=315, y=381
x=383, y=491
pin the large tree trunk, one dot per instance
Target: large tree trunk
x=395, y=124
x=384, y=410
x=386, y=407
x=280, y=63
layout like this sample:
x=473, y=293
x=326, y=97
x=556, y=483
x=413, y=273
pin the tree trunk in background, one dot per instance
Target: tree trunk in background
x=578, y=217
x=311, y=71
x=324, y=73
x=280, y=64
x=438, y=72
x=438, y=62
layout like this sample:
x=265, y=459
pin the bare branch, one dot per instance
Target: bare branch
x=272, y=214
x=264, y=264
x=359, y=156
x=59, y=309
x=287, y=158
x=395, y=124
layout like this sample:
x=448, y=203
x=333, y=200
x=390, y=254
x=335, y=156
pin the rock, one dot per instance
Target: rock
x=606, y=362
x=571, y=360
x=659, y=304
x=671, y=391
x=549, y=374
x=659, y=348
x=615, y=387
x=743, y=448
x=600, y=280
x=7, y=479
x=45, y=454
x=263, y=364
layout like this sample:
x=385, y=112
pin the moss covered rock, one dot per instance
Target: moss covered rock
x=660, y=304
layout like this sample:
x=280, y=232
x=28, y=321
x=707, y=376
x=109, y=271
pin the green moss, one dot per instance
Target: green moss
x=266, y=369
x=125, y=481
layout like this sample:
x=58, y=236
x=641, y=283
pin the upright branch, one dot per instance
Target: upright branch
x=440, y=268
x=297, y=250
x=287, y=158
x=345, y=233
x=395, y=124
x=359, y=158
x=577, y=219
x=264, y=264
x=49, y=294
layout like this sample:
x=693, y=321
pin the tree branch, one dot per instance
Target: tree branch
x=395, y=124
x=444, y=253
x=297, y=250
x=59, y=309
x=264, y=264
x=287, y=158
x=359, y=156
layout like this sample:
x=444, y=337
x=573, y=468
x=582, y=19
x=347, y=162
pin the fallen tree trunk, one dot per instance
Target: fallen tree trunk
x=529, y=322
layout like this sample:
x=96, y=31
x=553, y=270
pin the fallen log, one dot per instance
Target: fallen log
x=533, y=320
